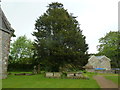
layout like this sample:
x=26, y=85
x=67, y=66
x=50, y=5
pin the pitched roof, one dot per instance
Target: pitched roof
x=99, y=57
x=4, y=24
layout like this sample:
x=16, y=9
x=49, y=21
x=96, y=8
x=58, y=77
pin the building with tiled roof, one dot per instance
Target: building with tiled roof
x=98, y=62
x=5, y=36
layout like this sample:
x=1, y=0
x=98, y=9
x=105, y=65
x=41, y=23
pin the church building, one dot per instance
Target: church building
x=5, y=37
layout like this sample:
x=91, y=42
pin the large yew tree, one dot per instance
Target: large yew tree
x=59, y=39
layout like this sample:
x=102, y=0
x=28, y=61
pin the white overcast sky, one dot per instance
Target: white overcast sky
x=97, y=17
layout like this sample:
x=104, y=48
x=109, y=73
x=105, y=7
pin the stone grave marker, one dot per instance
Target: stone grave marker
x=57, y=74
x=78, y=75
x=49, y=74
x=34, y=70
x=70, y=75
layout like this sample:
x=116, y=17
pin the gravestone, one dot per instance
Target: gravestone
x=49, y=74
x=78, y=75
x=70, y=75
x=75, y=76
x=34, y=70
x=57, y=75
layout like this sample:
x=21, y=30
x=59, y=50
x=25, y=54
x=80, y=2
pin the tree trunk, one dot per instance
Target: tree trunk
x=38, y=68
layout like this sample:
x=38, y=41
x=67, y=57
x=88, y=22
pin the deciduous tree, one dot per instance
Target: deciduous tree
x=110, y=46
x=21, y=50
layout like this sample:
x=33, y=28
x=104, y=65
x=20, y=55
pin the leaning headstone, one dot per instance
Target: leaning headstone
x=34, y=71
x=49, y=74
x=57, y=74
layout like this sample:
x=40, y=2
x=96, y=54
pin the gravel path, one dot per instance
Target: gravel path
x=104, y=83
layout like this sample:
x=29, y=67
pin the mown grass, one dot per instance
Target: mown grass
x=39, y=81
x=115, y=79
x=0, y=84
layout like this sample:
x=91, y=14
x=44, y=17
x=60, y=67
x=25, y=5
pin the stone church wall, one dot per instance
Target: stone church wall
x=0, y=54
x=4, y=52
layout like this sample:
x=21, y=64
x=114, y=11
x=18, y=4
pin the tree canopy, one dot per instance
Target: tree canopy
x=21, y=50
x=110, y=46
x=59, y=39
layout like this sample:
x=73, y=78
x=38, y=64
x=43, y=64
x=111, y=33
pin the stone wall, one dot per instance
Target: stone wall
x=90, y=70
x=4, y=52
x=103, y=62
x=0, y=59
x=5, y=35
x=0, y=54
x=93, y=61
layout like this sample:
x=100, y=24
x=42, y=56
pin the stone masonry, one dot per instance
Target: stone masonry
x=98, y=62
x=5, y=35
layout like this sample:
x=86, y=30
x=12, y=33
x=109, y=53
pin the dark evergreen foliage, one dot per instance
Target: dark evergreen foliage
x=59, y=39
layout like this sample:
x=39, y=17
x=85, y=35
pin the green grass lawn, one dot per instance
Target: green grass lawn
x=115, y=79
x=0, y=84
x=39, y=81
